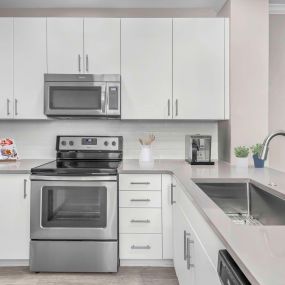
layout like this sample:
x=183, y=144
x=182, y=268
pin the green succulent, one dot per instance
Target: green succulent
x=241, y=151
x=256, y=149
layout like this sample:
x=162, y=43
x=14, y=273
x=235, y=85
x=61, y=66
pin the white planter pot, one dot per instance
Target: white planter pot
x=242, y=162
x=146, y=154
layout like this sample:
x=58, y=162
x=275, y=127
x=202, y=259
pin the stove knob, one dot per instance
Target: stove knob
x=113, y=143
x=106, y=143
x=63, y=142
x=71, y=143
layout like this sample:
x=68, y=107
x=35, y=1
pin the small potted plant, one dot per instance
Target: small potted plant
x=241, y=153
x=256, y=149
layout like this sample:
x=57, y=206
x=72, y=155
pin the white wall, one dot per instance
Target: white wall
x=249, y=64
x=277, y=90
x=36, y=139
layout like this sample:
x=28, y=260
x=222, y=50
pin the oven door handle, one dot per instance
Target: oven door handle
x=74, y=178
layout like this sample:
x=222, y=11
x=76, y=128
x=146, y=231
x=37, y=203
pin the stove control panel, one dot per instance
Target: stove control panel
x=89, y=143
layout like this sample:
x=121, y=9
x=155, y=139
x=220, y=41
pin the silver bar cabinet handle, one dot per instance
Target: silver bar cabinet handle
x=8, y=107
x=25, y=188
x=185, y=244
x=168, y=106
x=171, y=194
x=140, y=183
x=140, y=200
x=140, y=221
x=16, y=107
x=176, y=105
x=140, y=247
x=87, y=63
x=189, y=264
x=79, y=63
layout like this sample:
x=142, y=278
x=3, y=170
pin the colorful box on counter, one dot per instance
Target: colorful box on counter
x=8, y=150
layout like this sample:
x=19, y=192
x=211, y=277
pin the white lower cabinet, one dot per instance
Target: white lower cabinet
x=195, y=244
x=140, y=220
x=181, y=234
x=192, y=265
x=158, y=221
x=15, y=216
x=140, y=246
x=167, y=230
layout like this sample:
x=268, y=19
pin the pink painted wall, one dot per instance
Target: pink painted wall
x=249, y=55
x=277, y=90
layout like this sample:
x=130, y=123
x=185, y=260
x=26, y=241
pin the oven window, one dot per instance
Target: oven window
x=74, y=207
x=75, y=98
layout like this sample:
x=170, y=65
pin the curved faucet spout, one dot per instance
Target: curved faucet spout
x=265, y=146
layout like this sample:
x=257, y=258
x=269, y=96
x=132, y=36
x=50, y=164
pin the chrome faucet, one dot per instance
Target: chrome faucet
x=265, y=146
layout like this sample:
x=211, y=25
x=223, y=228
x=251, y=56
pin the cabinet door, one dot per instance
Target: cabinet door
x=15, y=216
x=182, y=231
x=6, y=68
x=29, y=67
x=65, y=45
x=146, y=68
x=199, y=68
x=205, y=271
x=102, y=46
x=167, y=216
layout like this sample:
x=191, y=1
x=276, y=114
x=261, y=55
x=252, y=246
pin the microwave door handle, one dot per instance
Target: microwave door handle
x=103, y=100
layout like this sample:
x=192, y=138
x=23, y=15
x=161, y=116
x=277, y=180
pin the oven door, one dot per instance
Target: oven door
x=75, y=99
x=74, y=210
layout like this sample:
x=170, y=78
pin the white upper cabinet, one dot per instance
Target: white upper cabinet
x=102, y=46
x=65, y=45
x=6, y=68
x=29, y=67
x=199, y=68
x=146, y=68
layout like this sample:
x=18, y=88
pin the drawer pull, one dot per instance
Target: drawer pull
x=140, y=221
x=140, y=247
x=140, y=200
x=140, y=183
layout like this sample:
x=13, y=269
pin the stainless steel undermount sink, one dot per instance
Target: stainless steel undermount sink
x=245, y=202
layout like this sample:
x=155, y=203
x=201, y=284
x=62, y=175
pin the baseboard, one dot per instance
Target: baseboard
x=147, y=262
x=14, y=262
x=123, y=262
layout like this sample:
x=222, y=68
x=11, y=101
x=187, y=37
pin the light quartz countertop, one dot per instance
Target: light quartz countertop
x=21, y=166
x=258, y=250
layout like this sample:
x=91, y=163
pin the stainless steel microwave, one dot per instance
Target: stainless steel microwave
x=82, y=95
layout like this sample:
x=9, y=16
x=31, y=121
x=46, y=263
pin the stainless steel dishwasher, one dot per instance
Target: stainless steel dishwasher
x=228, y=270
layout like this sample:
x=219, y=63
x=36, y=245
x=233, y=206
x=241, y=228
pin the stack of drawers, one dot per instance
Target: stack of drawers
x=140, y=224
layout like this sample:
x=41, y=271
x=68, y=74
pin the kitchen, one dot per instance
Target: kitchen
x=101, y=184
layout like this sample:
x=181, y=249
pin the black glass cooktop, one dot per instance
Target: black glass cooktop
x=77, y=167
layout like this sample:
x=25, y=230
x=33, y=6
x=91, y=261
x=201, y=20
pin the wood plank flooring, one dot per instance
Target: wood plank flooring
x=125, y=276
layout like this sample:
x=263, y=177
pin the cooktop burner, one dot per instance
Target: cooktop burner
x=77, y=167
x=81, y=156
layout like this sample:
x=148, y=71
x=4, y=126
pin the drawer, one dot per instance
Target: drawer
x=140, y=246
x=138, y=182
x=140, y=220
x=140, y=199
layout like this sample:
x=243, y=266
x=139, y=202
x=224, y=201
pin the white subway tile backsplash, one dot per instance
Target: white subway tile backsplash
x=36, y=139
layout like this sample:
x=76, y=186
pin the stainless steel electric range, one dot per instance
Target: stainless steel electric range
x=74, y=207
